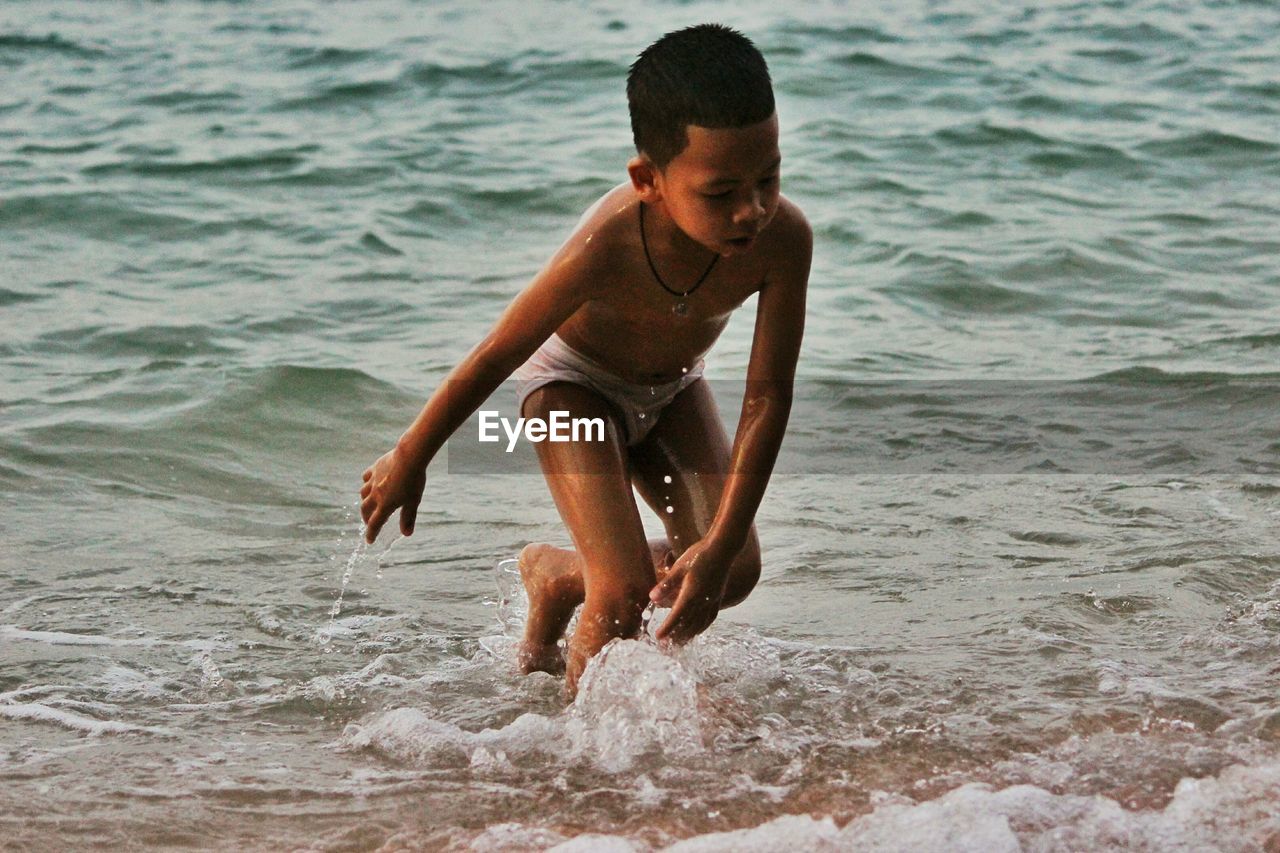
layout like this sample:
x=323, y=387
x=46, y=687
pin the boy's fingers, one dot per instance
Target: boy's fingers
x=368, y=472
x=408, y=516
x=664, y=593
x=375, y=525
x=674, y=629
x=686, y=628
x=687, y=619
x=671, y=626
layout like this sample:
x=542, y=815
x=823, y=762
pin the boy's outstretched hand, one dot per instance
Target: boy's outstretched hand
x=393, y=481
x=694, y=590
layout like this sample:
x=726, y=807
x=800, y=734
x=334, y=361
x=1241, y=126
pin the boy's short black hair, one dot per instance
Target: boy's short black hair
x=708, y=75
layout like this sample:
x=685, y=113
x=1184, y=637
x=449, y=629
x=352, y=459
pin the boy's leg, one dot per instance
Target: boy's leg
x=553, y=581
x=590, y=483
x=690, y=447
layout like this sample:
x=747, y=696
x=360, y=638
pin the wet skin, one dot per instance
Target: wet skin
x=718, y=199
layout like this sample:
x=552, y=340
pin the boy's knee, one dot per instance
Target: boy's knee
x=619, y=609
x=744, y=573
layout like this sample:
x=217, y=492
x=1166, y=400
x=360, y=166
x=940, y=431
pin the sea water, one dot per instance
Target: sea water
x=1021, y=583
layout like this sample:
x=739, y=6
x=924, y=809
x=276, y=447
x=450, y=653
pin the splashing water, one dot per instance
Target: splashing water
x=324, y=637
x=633, y=700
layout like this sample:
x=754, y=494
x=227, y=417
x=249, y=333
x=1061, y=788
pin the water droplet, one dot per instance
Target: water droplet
x=671, y=509
x=652, y=391
x=684, y=370
x=642, y=416
x=666, y=479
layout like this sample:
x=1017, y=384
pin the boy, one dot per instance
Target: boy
x=615, y=327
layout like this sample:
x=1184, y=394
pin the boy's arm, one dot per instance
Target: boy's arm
x=396, y=480
x=697, y=579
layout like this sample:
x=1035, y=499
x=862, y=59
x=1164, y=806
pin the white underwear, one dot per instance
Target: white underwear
x=637, y=405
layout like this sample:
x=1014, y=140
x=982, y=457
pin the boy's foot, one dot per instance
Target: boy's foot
x=553, y=582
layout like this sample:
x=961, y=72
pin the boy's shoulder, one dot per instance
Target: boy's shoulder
x=600, y=232
x=609, y=220
x=790, y=226
x=786, y=246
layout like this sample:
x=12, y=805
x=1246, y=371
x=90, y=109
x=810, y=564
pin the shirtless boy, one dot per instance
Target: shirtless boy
x=615, y=326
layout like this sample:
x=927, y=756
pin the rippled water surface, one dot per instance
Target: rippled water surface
x=1022, y=554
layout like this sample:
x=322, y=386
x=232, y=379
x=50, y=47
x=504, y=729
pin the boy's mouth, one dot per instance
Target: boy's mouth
x=742, y=242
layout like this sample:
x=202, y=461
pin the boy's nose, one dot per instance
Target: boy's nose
x=752, y=212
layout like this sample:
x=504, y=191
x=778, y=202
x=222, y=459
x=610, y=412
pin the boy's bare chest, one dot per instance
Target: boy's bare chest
x=680, y=294
x=645, y=330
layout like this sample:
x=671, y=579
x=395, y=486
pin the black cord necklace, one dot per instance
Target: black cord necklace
x=681, y=307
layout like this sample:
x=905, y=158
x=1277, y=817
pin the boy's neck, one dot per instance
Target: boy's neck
x=667, y=240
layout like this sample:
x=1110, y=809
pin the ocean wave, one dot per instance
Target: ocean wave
x=1114, y=55
x=841, y=35
x=330, y=176
x=986, y=134
x=949, y=283
x=495, y=77
x=1154, y=376
x=233, y=166
x=343, y=94
x=98, y=215
x=9, y=297
x=1070, y=263
x=54, y=148
x=152, y=341
x=1143, y=33
x=185, y=99
x=1211, y=144
x=239, y=438
x=1073, y=156
x=19, y=44
x=328, y=56
x=879, y=66
x=1256, y=341
x=965, y=219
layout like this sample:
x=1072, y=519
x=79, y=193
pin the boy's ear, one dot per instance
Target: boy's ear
x=644, y=178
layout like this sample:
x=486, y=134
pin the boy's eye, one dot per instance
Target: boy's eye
x=764, y=182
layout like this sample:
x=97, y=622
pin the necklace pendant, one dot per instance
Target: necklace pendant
x=680, y=309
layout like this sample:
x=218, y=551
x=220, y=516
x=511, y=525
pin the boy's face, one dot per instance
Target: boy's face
x=722, y=189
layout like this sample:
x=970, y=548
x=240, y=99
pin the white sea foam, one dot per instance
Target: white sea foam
x=67, y=719
x=66, y=638
x=593, y=843
x=789, y=832
x=1233, y=812
x=632, y=700
x=409, y=734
